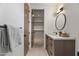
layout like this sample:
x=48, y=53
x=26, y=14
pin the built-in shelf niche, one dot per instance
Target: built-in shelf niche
x=38, y=25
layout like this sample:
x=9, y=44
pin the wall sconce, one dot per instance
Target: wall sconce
x=59, y=10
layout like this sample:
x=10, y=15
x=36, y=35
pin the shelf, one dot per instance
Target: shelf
x=37, y=16
x=37, y=30
x=38, y=25
x=37, y=22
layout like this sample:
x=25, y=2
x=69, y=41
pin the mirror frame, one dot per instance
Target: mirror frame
x=64, y=21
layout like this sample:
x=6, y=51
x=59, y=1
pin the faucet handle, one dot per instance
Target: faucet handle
x=55, y=33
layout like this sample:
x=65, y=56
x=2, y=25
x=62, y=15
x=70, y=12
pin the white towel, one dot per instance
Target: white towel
x=14, y=37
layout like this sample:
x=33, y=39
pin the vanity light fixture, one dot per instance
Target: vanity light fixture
x=59, y=10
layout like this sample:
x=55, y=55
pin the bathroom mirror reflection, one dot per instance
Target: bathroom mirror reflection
x=60, y=21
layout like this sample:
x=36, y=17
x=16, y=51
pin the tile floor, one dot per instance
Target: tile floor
x=37, y=52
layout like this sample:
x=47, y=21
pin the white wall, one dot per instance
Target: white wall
x=72, y=15
x=13, y=14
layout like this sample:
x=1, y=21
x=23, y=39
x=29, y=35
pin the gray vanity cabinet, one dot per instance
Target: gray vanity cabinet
x=60, y=47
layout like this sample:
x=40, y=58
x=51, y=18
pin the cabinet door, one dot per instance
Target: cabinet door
x=48, y=47
x=26, y=28
x=69, y=48
x=47, y=43
x=58, y=45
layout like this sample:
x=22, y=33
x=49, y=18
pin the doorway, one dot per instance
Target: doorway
x=37, y=28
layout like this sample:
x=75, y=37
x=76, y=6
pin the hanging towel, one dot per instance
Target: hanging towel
x=3, y=40
x=0, y=39
x=13, y=36
x=3, y=37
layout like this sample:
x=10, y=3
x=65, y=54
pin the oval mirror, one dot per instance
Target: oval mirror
x=60, y=21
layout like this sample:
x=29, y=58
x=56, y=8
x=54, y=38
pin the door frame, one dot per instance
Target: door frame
x=25, y=52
